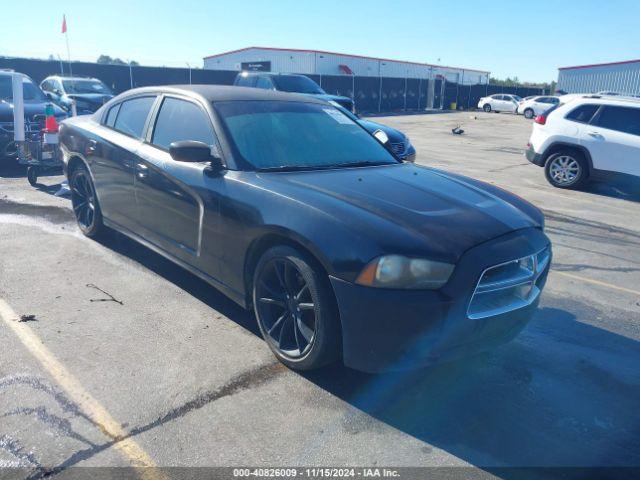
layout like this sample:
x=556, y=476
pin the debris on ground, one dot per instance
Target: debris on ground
x=110, y=299
x=28, y=318
x=457, y=130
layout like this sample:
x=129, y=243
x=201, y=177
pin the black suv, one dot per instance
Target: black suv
x=89, y=93
x=289, y=82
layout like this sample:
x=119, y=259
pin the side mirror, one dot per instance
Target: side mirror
x=193, y=151
x=48, y=95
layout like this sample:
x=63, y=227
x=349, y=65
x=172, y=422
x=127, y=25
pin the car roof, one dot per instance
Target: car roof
x=611, y=100
x=219, y=93
x=66, y=77
x=270, y=74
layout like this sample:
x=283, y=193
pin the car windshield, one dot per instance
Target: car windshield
x=296, y=84
x=30, y=91
x=85, y=86
x=277, y=135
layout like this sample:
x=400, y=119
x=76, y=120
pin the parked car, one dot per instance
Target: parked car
x=499, y=103
x=292, y=83
x=536, y=105
x=89, y=93
x=292, y=208
x=591, y=137
x=35, y=103
x=398, y=142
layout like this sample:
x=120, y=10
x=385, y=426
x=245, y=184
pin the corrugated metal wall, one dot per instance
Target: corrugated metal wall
x=621, y=78
x=320, y=63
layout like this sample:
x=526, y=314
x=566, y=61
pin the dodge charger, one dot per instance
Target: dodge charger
x=292, y=209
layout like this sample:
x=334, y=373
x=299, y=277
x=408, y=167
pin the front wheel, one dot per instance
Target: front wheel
x=487, y=107
x=32, y=176
x=85, y=203
x=295, y=309
x=528, y=113
x=566, y=169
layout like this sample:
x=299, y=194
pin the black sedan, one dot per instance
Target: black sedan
x=291, y=208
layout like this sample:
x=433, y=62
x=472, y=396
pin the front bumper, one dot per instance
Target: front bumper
x=533, y=157
x=390, y=330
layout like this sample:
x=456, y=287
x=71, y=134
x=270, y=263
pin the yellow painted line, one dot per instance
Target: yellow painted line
x=597, y=282
x=128, y=447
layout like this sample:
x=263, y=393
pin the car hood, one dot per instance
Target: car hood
x=31, y=108
x=328, y=98
x=395, y=136
x=444, y=214
x=95, y=98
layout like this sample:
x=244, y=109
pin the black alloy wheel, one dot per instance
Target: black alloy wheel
x=85, y=203
x=295, y=309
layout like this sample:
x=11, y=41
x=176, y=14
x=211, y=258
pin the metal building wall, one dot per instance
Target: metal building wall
x=322, y=63
x=621, y=78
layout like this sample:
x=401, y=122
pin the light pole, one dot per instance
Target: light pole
x=189, y=66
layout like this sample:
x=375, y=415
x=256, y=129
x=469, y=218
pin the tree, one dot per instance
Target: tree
x=107, y=60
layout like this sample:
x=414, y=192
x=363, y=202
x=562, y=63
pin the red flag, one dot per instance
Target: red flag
x=64, y=24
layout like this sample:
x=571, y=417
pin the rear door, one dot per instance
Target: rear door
x=171, y=195
x=112, y=153
x=614, y=139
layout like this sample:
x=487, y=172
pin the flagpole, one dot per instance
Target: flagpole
x=66, y=37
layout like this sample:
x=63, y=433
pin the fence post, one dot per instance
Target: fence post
x=405, y=94
x=380, y=96
x=320, y=80
x=131, y=74
x=419, y=91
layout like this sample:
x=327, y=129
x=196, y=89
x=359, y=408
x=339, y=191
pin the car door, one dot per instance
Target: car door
x=173, y=201
x=510, y=104
x=112, y=151
x=613, y=139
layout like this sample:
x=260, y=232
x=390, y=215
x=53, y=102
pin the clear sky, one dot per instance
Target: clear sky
x=527, y=39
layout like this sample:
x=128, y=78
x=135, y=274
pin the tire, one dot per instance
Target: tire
x=295, y=309
x=32, y=176
x=85, y=203
x=486, y=107
x=529, y=113
x=567, y=169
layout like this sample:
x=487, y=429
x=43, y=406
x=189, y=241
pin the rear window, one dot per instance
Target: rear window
x=621, y=119
x=111, y=116
x=133, y=115
x=583, y=113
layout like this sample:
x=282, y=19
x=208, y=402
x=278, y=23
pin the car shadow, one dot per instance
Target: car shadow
x=625, y=190
x=564, y=393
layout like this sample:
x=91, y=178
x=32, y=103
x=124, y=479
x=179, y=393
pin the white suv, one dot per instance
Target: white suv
x=499, y=103
x=590, y=137
x=532, y=106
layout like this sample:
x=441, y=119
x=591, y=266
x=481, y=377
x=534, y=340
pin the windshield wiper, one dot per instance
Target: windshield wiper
x=288, y=168
x=298, y=168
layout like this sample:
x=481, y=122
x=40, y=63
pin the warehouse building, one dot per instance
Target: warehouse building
x=316, y=62
x=619, y=77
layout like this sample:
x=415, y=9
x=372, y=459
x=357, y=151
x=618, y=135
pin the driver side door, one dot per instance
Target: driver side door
x=171, y=197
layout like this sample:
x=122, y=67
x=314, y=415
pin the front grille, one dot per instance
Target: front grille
x=508, y=286
x=398, y=148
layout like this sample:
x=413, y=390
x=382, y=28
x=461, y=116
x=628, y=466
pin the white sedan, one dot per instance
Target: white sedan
x=537, y=106
x=499, y=103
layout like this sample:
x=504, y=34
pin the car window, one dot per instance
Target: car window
x=111, y=116
x=621, y=119
x=46, y=85
x=133, y=115
x=246, y=81
x=264, y=82
x=496, y=97
x=181, y=120
x=555, y=100
x=583, y=113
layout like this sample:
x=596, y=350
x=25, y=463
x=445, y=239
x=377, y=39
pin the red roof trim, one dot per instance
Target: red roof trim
x=600, y=64
x=342, y=55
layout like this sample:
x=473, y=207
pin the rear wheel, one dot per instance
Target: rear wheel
x=32, y=176
x=528, y=113
x=486, y=107
x=566, y=169
x=295, y=309
x=85, y=203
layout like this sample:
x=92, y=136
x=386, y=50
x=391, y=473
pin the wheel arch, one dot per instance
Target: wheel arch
x=77, y=160
x=272, y=238
x=558, y=146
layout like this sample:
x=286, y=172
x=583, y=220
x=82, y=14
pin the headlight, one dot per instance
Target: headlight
x=397, y=271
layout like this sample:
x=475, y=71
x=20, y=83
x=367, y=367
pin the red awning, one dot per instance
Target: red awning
x=345, y=69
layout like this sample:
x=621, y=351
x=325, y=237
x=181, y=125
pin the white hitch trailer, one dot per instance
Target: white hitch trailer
x=37, y=148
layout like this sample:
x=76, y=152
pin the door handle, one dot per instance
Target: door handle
x=92, y=147
x=142, y=170
x=595, y=135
